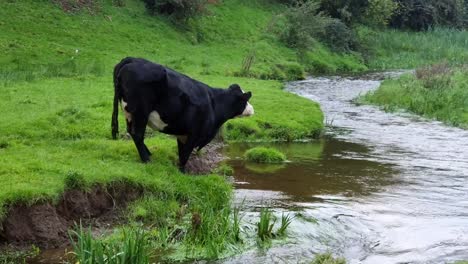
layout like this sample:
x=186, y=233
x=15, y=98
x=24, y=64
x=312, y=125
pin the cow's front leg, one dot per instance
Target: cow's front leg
x=137, y=131
x=184, y=152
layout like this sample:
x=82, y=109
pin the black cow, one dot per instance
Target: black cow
x=173, y=103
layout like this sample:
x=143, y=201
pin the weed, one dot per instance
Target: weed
x=327, y=258
x=265, y=225
x=286, y=220
x=132, y=247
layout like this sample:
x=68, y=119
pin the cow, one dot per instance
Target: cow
x=153, y=95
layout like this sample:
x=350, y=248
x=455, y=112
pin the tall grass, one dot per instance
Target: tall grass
x=286, y=220
x=396, y=49
x=266, y=224
x=132, y=248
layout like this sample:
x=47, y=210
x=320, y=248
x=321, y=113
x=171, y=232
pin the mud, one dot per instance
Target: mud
x=46, y=224
x=206, y=160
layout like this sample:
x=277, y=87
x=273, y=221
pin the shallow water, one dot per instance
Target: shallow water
x=382, y=187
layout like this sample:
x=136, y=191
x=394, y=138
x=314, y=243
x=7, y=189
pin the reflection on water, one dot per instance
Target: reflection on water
x=384, y=188
x=326, y=167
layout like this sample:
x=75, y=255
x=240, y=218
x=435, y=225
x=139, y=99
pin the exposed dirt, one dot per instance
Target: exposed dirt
x=206, y=160
x=46, y=225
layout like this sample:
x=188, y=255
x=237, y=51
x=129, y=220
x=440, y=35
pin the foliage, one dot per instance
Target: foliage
x=181, y=10
x=424, y=14
x=338, y=37
x=16, y=256
x=348, y=11
x=133, y=247
x=264, y=155
x=437, y=76
x=305, y=22
x=435, y=93
x=379, y=12
x=327, y=259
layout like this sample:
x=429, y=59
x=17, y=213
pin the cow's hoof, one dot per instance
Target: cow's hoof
x=182, y=170
x=146, y=160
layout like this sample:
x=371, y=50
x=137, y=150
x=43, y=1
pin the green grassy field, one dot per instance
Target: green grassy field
x=56, y=79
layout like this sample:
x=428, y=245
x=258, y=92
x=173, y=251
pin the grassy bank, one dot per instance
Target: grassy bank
x=437, y=92
x=56, y=78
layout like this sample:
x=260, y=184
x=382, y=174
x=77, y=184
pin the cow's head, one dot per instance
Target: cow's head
x=240, y=103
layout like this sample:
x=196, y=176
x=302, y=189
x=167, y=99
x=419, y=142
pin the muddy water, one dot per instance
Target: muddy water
x=379, y=188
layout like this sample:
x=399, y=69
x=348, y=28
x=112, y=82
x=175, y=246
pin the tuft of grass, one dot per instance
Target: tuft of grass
x=264, y=155
x=265, y=225
x=224, y=170
x=74, y=180
x=286, y=220
x=133, y=247
x=327, y=258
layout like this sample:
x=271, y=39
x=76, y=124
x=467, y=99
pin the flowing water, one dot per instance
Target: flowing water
x=379, y=188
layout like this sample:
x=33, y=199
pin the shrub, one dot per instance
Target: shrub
x=379, y=12
x=424, y=14
x=437, y=76
x=265, y=155
x=338, y=36
x=348, y=11
x=304, y=23
x=181, y=10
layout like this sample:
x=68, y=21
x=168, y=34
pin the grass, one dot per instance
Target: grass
x=395, y=49
x=327, y=258
x=264, y=155
x=132, y=247
x=265, y=225
x=443, y=96
x=286, y=220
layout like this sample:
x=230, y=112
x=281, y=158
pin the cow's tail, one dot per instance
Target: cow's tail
x=117, y=96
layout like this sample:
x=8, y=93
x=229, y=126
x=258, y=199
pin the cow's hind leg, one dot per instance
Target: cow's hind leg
x=137, y=131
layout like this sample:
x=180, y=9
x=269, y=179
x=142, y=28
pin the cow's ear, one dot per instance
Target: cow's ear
x=246, y=96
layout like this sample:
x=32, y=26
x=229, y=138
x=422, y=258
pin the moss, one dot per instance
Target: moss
x=265, y=155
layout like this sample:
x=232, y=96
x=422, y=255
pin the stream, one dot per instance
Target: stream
x=378, y=188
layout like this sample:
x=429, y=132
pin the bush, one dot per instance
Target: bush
x=437, y=76
x=379, y=12
x=338, y=37
x=181, y=10
x=348, y=11
x=424, y=14
x=265, y=155
x=304, y=23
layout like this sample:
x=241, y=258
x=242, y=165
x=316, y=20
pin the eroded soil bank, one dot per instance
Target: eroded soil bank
x=46, y=224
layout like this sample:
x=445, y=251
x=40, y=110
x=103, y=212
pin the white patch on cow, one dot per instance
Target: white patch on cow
x=155, y=121
x=248, y=111
x=128, y=116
